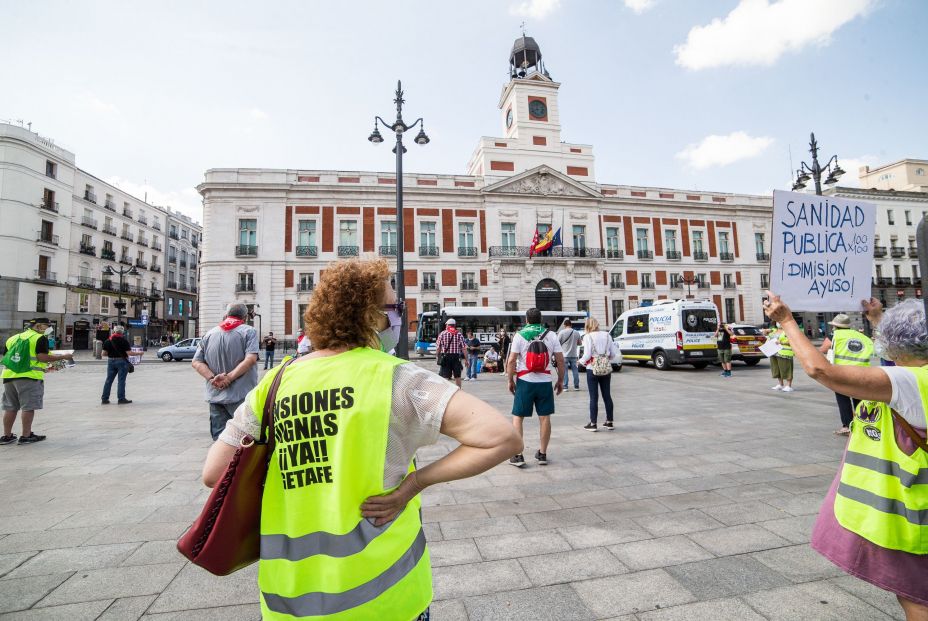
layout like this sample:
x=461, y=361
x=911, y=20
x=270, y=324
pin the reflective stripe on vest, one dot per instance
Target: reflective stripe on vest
x=319, y=557
x=852, y=348
x=883, y=492
x=37, y=370
x=787, y=349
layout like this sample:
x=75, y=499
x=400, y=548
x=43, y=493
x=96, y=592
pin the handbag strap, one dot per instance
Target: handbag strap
x=267, y=417
x=910, y=431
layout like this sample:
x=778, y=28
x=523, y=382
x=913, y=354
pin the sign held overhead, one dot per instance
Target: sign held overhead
x=821, y=254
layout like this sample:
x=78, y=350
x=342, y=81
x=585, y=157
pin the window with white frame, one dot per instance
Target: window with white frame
x=83, y=302
x=306, y=233
x=508, y=234
x=698, y=242
x=579, y=236
x=348, y=233
x=388, y=234
x=247, y=232
x=670, y=240
x=641, y=238
x=723, y=243
x=465, y=235
x=427, y=235
x=104, y=305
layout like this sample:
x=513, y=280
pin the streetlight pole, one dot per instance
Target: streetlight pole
x=122, y=272
x=688, y=282
x=802, y=173
x=399, y=128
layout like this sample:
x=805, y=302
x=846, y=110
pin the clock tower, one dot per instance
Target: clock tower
x=531, y=124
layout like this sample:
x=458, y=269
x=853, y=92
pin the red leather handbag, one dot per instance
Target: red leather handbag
x=227, y=535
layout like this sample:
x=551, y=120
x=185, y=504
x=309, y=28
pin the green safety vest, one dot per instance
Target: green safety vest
x=38, y=368
x=787, y=351
x=319, y=557
x=852, y=348
x=883, y=493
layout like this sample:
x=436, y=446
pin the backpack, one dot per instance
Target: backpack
x=601, y=365
x=537, y=356
x=18, y=359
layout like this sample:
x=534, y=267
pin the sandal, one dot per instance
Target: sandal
x=844, y=431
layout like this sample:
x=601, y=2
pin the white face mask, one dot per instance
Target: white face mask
x=49, y=331
x=390, y=336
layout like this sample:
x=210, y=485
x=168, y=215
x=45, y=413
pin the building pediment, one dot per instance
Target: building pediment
x=542, y=180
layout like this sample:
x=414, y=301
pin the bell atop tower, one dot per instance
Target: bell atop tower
x=525, y=56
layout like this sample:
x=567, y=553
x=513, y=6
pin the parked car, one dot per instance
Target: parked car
x=745, y=344
x=180, y=350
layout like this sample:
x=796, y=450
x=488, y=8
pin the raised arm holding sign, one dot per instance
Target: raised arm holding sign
x=821, y=255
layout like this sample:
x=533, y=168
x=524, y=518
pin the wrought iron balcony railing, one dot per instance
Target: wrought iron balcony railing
x=244, y=251
x=347, y=251
x=673, y=255
x=428, y=251
x=699, y=255
x=307, y=251
x=467, y=251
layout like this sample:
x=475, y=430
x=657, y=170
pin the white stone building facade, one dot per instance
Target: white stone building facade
x=270, y=233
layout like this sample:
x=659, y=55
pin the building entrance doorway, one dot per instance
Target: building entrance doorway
x=81, y=335
x=548, y=295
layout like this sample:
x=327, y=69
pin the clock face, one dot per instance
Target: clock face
x=537, y=109
x=509, y=118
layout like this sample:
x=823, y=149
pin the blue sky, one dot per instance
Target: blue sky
x=676, y=93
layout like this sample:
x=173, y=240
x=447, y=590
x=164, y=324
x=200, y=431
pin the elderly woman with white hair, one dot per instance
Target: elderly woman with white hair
x=874, y=521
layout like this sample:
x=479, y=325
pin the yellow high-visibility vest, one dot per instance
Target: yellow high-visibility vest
x=37, y=369
x=851, y=348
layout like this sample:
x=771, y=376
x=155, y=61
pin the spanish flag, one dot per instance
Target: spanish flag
x=547, y=242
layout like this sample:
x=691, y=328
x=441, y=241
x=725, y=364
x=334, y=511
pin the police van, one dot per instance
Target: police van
x=669, y=332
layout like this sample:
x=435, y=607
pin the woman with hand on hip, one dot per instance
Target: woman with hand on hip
x=874, y=521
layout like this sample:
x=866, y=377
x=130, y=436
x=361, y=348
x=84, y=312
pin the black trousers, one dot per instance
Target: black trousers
x=596, y=384
x=846, y=407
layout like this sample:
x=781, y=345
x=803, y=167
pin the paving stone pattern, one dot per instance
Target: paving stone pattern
x=698, y=506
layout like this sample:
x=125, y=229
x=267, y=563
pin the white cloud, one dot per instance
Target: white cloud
x=95, y=104
x=639, y=6
x=718, y=150
x=758, y=32
x=851, y=166
x=186, y=200
x=258, y=114
x=537, y=9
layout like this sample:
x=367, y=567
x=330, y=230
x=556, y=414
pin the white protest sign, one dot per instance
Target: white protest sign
x=821, y=254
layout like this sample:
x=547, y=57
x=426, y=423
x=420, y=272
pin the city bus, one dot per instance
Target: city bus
x=485, y=322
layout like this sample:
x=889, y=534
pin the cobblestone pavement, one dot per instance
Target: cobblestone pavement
x=698, y=506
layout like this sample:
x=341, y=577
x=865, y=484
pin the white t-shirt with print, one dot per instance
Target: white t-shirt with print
x=520, y=347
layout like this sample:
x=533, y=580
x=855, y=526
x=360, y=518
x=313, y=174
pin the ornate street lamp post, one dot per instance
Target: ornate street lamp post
x=121, y=272
x=689, y=282
x=804, y=170
x=399, y=128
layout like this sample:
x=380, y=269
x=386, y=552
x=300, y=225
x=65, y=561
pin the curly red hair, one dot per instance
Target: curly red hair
x=346, y=305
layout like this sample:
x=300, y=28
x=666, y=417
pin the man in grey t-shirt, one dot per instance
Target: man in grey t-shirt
x=570, y=339
x=227, y=358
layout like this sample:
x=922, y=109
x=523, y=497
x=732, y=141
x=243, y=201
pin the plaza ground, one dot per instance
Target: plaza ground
x=698, y=506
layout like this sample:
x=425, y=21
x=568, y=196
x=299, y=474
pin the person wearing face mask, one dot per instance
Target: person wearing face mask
x=340, y=524
x=49, y=334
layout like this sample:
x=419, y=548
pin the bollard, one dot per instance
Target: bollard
x=98, y=349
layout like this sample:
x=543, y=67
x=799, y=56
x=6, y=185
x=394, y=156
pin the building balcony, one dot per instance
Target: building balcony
x=879, y=251
x=127, y=213
x=615, y=254
x=90, y=197
x=88, y=250
x=557, y=252
x=764, y=282
x=307, y=251
x=883, y=281
x=467, y=251
x=46, y=276
x=762, y=256
x=173, y=235
x=46, y=238
x=142, y=241
x=156, y=293
x=387, y=251
x=897, y=252
x=468, y=286
x=616, y=285
x=192, y=288
x=305, y=287
x=673, y=255
x=913, y=252
x=241, y=251
x=89, y=222
x=143, y=220
x=702, y=285
x=173, y=259
x=86, y=282
x=109, y=229
x=699, y=255
x=727, y=257
x=195, y=242
x=729, y=284
x=916, y=281
x=903, y=281
x=347, y=251
x=429, y=286
x=125, y=260
x=645, y=254
x=110, y=206
x=141, y=264
x=245, y=287
x=676, y=284
x=647, y=284
x=156, y=225
x=172, y=284
x=429, y=251
x=107, y=285
x=49, y=205
x=127, y=236
x=133, y=290
x=155, y=267
x=157, y=246
x=110, y=255
x=183, y=263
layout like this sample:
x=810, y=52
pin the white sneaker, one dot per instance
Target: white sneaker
x=787, y=389
x=776, y=387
